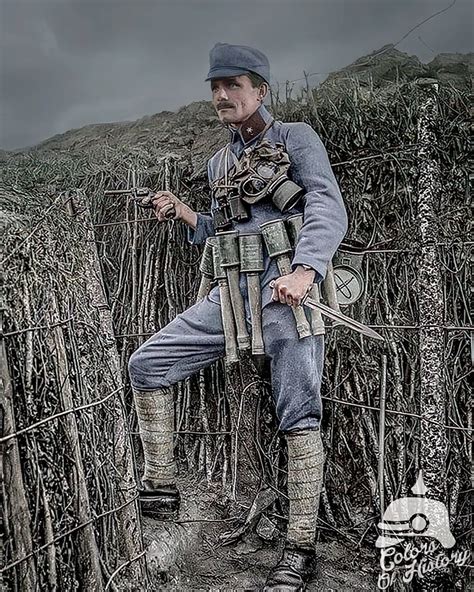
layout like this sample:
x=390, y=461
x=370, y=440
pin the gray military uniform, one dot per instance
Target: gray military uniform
x=195, y=339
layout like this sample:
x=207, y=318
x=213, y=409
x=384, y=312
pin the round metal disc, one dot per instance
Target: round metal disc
x=349, y=284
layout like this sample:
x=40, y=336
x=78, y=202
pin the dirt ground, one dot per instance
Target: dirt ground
x=190, y=555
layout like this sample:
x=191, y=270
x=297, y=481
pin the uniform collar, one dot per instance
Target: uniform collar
x=252, y=126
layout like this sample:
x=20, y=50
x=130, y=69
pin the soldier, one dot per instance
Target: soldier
x=239, y=77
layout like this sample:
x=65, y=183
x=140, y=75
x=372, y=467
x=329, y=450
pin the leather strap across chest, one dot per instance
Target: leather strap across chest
x=224, y=158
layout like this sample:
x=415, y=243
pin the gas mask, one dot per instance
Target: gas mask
x=262, y=172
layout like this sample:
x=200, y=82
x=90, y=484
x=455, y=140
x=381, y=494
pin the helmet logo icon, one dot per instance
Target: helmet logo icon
x=414, y=516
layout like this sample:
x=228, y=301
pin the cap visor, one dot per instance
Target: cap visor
x=226, y=73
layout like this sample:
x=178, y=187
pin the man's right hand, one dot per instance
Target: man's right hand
x=166, y=203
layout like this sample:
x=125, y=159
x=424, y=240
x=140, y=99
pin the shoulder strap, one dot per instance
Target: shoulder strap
x=268, y=125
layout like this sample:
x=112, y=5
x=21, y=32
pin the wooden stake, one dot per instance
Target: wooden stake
x=90, y=564
x=128, y=521
x=13, y=490
x=383, y=393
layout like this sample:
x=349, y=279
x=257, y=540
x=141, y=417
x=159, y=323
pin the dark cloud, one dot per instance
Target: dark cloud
x=67, y=63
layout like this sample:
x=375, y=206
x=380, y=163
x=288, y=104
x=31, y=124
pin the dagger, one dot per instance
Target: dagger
x=338, y=316
x=342, y=318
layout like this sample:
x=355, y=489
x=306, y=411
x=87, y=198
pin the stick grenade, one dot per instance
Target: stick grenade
x=228, y=324
x=251, y=263
x=329, y=287
x=293, y=225
x=278, y=247
x=206, y=267
x=230, y=260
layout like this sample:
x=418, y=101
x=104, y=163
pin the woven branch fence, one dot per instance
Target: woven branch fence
x=88, y=279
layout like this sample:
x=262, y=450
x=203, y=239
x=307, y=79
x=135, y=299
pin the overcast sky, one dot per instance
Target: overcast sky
x=67, y=63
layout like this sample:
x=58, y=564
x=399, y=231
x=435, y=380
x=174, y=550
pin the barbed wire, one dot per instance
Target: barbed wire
x=38, y=424
x=111, y=394
x=121, y=567
x=69, y=532
x=208, y=433
x=395, y=412
x=388, y=327
x=380, y=326
x=36, y=328
x=105, y=224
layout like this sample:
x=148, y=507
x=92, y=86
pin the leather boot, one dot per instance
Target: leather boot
x=292, y=572
x=159, y=502
x=305, y=475
x=158, y=497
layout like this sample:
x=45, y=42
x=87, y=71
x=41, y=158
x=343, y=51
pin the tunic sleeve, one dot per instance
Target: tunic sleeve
x=324, y=217
x=204, y=225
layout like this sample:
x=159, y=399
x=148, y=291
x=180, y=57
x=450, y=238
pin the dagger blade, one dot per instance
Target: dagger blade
x=339, y=316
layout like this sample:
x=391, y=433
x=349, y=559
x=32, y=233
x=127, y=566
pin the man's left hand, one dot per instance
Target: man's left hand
x=292, y=288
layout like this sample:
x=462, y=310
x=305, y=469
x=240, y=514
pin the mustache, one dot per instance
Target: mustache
x=224, y=106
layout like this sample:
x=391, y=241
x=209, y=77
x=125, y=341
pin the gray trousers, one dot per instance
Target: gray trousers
x=195, y=339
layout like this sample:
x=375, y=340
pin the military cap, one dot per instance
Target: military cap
x=234, y=60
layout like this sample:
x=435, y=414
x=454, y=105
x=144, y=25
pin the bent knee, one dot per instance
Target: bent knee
x=135, y=369
x=134, y=366
x=145, y=370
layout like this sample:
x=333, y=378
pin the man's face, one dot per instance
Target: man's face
x=234, y=98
